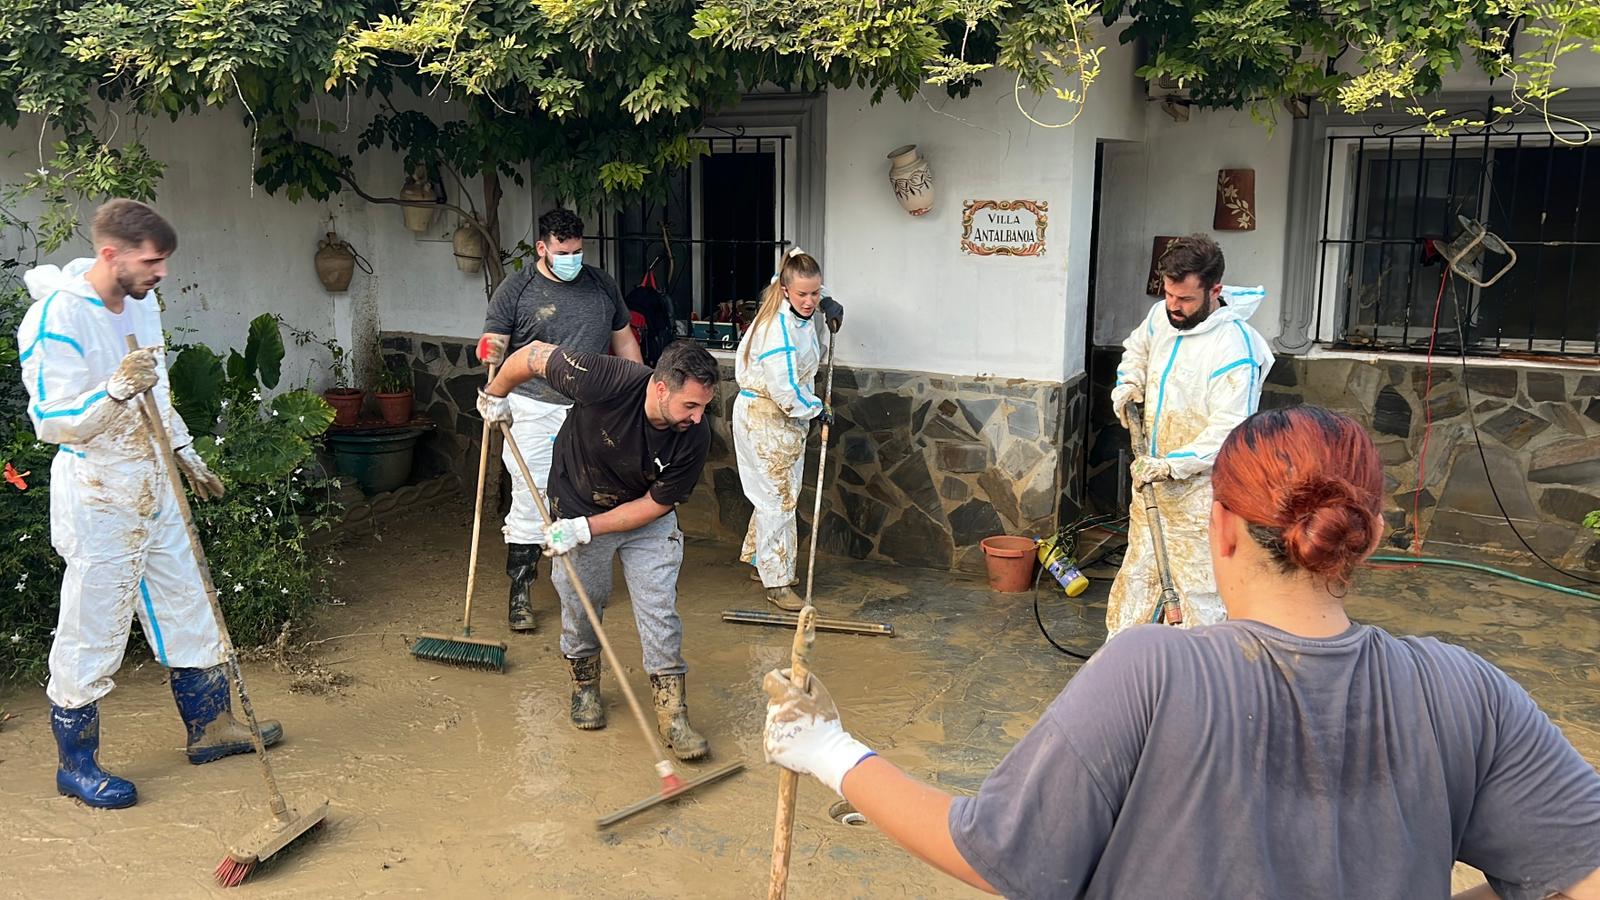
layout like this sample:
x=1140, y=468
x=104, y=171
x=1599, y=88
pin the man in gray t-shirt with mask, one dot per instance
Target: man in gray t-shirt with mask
x=558, y=300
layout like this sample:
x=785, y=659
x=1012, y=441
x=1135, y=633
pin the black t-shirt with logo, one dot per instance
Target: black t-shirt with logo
x=607, y=452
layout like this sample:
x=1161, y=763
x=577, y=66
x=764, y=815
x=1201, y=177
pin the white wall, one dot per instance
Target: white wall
x=1167, y=184
x=914, y=300
x=243, y=252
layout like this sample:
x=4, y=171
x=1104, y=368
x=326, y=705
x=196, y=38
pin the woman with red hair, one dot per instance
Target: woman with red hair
x=1286, y=752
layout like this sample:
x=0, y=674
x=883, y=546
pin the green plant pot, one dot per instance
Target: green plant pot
x=378, y=462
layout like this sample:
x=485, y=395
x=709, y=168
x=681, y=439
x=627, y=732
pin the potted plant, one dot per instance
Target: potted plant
x=393, y=392
x=345, y=400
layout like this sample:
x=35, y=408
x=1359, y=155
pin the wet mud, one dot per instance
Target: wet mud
x=463, y=783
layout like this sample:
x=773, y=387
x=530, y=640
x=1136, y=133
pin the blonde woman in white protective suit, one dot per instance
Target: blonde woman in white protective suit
x=776, y=368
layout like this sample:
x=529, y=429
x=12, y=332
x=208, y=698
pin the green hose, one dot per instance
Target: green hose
x=1491, y=570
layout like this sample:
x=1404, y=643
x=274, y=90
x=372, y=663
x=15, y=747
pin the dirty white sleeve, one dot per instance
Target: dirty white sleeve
x=69, y=406
x=1135, y=353
x=777, y=361
x=1230, y=399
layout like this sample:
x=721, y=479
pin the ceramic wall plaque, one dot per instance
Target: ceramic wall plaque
x=1004, y=227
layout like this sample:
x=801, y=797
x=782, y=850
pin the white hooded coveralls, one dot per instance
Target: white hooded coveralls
x=113, y=517
x=1198, y=385
x=776, y=367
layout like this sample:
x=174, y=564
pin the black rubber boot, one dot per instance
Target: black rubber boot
x=522, y=565
x=588, y=712
x=672, y=718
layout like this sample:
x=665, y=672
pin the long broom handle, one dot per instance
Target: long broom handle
x=663, y=765
x=477, y=519
x=800, y=665
x=822, y=463
x=1158, y=536
x=805, y=633
x=168, y=461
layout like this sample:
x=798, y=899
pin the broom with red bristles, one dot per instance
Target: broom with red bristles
x=287, y=823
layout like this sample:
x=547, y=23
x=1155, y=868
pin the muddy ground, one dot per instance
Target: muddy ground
x=464, y=783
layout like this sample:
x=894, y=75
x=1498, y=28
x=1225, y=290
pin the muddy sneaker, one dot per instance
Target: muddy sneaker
x=588, y=712
x=785, y=599
x=522, y=566
x=672, y=718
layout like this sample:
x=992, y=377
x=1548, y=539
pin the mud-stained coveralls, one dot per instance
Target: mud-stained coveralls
x=1198, y=385
x=113, y=517
x=776, y=367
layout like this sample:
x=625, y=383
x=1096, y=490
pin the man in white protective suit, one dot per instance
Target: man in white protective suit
x=776, y=368
x=113, y=516
x=1195, y=368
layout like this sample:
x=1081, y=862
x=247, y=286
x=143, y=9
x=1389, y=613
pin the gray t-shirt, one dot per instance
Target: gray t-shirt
x=580, y=314
x=1237, y=760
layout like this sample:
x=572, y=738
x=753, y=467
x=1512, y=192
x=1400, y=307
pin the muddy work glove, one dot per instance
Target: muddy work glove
x=493, y=409
x=492, y=348
x=565, y=534
x=1149, y=470
x=134, y=375
x=1124, y=397
x=832, y=313
x=803, y=732
x=204, y=482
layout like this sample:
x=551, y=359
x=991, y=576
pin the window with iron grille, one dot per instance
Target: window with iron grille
x=1393, y=206
x=714, y=240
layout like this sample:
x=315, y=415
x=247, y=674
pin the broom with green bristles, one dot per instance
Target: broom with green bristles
x=464, y=649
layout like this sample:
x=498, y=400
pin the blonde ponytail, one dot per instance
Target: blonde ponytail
x=796, y=264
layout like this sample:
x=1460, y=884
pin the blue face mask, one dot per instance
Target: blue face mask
x=566, y=267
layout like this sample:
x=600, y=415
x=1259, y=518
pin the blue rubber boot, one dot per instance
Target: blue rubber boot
x=206, y=705
x=77, y=734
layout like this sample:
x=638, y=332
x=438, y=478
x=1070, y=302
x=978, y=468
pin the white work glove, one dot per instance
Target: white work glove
x=134, y=375
x=492, y=348
x=1123, y=398
x=1149, y=470
x=803, y=731
x=564, y=534
x=204, y=482
x=493, y=409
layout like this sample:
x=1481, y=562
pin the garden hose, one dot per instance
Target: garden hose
x=1488, y=570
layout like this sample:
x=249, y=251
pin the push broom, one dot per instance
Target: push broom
x=464, y=649
x=287, y=823
x=672, y=786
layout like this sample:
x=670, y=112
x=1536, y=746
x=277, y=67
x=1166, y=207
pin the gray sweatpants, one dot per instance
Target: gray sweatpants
x=651, y=555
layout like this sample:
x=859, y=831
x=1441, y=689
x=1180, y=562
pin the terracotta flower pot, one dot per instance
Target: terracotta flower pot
x=468, y=245
x=396, y=407
x=1010, y=562
x=912, y=179
x=346, y=403
x=418, y=218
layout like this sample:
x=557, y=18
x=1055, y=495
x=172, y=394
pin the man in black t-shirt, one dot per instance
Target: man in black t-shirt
x=630, y=450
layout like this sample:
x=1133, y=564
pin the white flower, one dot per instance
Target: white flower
x=275, y=414
x=16, y=639
x=21, y=585
x=219, y=442
x=23, y=538
x=42, y=171
x=268, y=511
x=283, y=590
x=302, y=419
x=238, y=589
x=272, y=492
x=225, y=404
x=256, y=396
x=298, y=471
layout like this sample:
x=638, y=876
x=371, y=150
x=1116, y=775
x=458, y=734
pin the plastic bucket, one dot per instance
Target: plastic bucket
x=1010, y=563
x=378, y=462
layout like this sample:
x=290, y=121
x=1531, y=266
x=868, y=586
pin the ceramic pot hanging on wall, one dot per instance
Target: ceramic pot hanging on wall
x=418, y=188
x=912, y=179
x=336, y=262
x=468, y=244
x=1236, y=200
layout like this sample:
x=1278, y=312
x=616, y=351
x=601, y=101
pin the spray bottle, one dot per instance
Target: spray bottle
x=1054, y=555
